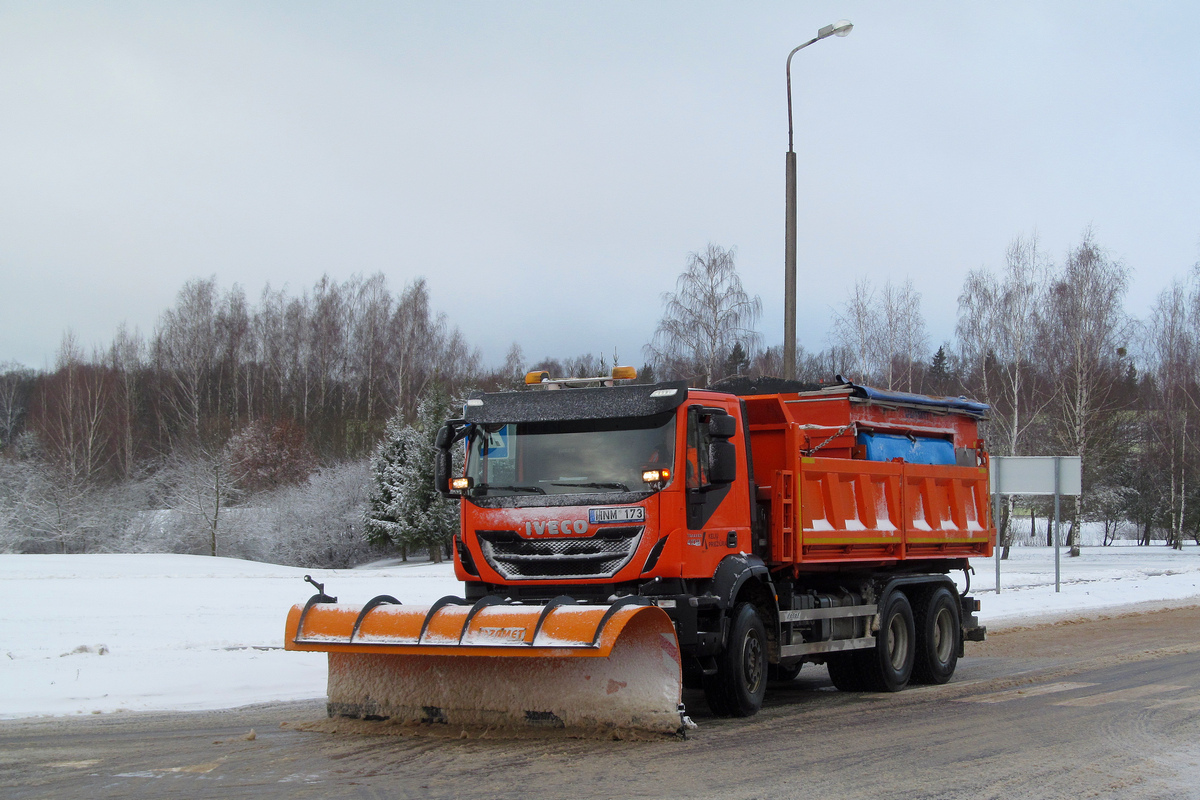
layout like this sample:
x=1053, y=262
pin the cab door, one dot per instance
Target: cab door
x=713, y=468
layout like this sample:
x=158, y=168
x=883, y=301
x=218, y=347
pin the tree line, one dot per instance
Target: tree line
x=250, y=428
x=1050, y=346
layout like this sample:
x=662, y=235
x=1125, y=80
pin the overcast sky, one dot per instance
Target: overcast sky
x=548, y=167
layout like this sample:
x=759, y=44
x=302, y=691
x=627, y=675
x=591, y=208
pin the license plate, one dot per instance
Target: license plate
x=598, y=516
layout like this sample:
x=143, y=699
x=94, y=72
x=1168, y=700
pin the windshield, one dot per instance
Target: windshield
x=588, y=457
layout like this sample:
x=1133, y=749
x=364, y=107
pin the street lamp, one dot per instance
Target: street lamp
x=840, y=28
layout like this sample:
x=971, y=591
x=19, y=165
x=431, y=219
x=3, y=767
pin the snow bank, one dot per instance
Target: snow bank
x=178, y=632
x=1101, y=579
x=99, y=633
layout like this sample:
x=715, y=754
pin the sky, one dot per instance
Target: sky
x=547, y=167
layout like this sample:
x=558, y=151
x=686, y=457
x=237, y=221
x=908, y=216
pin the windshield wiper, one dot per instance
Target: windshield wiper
x=596, y=485
x=512, y=488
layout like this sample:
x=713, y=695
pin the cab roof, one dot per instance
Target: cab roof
x=560, y=405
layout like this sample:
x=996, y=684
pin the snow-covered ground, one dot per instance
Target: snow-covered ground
x=86, y=634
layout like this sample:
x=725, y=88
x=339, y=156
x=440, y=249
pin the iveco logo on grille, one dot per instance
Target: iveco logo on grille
x=556, y=527
x=618, y=514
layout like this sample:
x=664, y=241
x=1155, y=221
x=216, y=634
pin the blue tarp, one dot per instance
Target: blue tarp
x=914, y=450
x=959, y=404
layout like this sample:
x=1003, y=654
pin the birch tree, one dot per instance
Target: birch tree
x=1086, y=338
x=1171, y=347
x=707, y=314
x=854, y=329
x=1000, y=325
x=885, y=332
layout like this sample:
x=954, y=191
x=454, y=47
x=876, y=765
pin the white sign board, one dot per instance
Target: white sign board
x=1035, y=475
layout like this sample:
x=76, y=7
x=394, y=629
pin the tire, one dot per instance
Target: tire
x=846, y=671
x=783, y=673
x=889, y=666
x=738, y=688
x=939, y=634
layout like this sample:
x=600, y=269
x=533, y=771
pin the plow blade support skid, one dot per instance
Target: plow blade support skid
x=499, y=665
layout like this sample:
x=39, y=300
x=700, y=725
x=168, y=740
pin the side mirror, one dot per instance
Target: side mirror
x=722, y=462
x=722, y=426
x=441, y=460
x=441, y=471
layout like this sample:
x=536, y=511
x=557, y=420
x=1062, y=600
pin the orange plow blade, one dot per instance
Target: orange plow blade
x=497, y=664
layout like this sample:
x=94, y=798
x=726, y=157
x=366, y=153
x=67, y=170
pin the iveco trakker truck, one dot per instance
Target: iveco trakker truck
x=619, y=541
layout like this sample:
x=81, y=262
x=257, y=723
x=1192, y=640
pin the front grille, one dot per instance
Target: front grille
x=598, y=556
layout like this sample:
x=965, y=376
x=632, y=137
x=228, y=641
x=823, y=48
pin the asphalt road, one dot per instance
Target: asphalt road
x=1102, y=708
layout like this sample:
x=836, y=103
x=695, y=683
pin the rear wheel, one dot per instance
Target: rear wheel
x=846, y=670
x=938, y=630
x=741, y=681
x=889, y=667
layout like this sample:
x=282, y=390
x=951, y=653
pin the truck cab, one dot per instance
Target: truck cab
x=599, y=491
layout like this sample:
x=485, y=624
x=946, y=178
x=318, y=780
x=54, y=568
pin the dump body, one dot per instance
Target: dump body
x=830, y=504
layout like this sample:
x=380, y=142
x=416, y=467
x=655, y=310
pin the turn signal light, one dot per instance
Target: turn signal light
x=624, y=374
x=656, y=475
x=537, y=376
x=461, y=484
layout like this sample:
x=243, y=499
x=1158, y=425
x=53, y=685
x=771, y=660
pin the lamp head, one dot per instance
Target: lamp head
x=840, y=28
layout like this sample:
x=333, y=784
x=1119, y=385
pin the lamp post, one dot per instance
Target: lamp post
x=840, y=28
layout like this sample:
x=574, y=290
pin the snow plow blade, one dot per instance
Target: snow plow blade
x=498, y=664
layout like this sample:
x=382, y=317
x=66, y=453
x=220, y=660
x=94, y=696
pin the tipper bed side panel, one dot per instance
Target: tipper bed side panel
x=850, y=510
x=946, y=511
x=853, y=510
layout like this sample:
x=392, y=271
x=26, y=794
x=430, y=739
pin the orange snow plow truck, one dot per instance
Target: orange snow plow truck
x=621, y=541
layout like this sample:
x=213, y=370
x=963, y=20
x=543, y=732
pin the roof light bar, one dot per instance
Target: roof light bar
x=543, y=379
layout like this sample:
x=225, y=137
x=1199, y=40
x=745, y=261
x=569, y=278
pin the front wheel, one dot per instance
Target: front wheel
x=738, y=688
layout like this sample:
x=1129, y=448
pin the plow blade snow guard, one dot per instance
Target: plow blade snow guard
x=494, y=664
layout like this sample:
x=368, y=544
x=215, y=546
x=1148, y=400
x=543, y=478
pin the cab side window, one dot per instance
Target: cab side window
x=698, y=440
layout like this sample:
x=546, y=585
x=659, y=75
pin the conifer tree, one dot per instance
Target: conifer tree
x=379, y=520
x=406, y=509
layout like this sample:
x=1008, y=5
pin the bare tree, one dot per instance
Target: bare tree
x=978, y=332
x=413, y=345
x=186, y=350
x=71, y=416
x=327, y=326
x=884, y=332
x=707, y=314
x=854, y=330
x=369, y=342
x=1172, y=351
x=1000, y=320
x=900, y=340
x=1086, y=338
x=14, y=387
x=125, y=357
x=202, y=487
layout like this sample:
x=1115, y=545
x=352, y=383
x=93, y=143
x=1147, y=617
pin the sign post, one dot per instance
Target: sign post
x=1039, y=475
x=996, y=465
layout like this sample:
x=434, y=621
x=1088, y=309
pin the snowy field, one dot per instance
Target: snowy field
x=82, y=634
